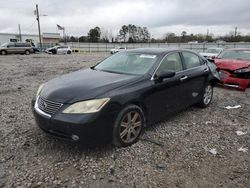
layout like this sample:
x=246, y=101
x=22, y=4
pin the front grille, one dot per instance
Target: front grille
x=47, y=106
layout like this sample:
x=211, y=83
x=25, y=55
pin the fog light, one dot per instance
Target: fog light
x=75, y=137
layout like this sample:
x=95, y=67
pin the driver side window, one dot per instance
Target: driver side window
x=171, y=62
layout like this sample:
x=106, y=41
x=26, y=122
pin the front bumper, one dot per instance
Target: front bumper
x=227, y=79
x=76, y=127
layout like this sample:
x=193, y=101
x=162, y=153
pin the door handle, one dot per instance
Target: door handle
x=183, y=78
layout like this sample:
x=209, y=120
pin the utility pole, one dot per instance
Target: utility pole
x=235, y=32
x=39, y=29
x=20, y=35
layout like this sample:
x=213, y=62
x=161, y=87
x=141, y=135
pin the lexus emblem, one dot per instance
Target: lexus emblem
x=44, y=105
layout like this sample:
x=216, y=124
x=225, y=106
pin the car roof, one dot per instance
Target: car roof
x=154, y=50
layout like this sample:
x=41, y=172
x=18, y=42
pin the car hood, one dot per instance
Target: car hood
x=231, y=64
x=83, y=85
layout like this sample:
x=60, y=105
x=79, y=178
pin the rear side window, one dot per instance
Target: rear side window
x=22, y=45
x=191, y=60
x=171, y=62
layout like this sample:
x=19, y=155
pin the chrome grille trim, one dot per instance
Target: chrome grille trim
x=47, y=106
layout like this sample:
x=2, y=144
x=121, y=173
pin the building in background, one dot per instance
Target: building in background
x=47, y=38
x=50, y=38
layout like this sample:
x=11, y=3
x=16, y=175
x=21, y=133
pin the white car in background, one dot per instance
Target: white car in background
x=211, y=53
x=64, y=50
x=115, y=50
x=59, y=50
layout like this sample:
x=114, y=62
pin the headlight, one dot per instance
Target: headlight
x=89, y=106
x=39, y=89
x=242, y=70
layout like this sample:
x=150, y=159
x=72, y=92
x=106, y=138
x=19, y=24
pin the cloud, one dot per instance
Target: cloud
x=159, y=16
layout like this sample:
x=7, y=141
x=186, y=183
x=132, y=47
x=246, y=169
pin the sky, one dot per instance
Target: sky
x=160, y=16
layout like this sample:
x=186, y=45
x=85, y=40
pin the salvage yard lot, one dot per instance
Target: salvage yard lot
x=174, y=153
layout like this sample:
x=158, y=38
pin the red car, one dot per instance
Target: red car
x=234, y=68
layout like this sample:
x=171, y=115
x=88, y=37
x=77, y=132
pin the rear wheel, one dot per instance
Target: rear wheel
x=128, y=126
x=207, y=96
x=69, y=52
x=3, y=52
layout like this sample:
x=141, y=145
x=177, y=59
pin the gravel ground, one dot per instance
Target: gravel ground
x=174, y=153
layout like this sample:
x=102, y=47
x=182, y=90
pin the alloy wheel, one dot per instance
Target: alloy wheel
x=208, y=94
x=130, y=126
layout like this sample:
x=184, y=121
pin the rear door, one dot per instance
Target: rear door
x=197, y=73
x=19, y=48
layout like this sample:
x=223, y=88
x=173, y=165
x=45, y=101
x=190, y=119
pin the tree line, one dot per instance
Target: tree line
x=136, y=34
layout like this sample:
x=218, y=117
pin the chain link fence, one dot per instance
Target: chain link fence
x=198, y=47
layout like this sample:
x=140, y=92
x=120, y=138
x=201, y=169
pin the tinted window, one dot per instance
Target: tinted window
x=171, y=62
x=191, y=60
x=22, y=45
x=61, y=47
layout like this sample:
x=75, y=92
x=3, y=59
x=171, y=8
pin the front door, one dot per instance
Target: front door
x=168, y=96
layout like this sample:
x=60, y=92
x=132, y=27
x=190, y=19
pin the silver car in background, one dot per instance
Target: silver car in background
x=211, y=53
x=118, y=49
x=16, y=48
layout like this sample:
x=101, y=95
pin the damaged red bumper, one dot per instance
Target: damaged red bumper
x=238, y=81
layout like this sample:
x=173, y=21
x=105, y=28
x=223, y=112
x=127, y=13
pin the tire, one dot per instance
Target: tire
x=27, y=52
x=3, y=52
x=69, y=52
x=128, y=126
x=207, y=96
x=54, y=51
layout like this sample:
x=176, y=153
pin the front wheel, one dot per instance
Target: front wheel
x=207, y=96
x=27, y=52
x=128, y=126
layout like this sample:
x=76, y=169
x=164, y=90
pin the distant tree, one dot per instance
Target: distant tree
x=183, y=33
x=83, y=39
x=170, y=37
x=73, y=39
x=145, y=34
x=132, y=33
x=94, y=34
x=123, y=33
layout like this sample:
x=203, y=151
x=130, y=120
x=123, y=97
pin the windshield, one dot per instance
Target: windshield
x=128, y=63
x=235, y=54
x=213, y=50
x=4, y=44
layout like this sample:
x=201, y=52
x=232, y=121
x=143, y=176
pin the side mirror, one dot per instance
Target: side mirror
x=211, y=59
x=164, y=74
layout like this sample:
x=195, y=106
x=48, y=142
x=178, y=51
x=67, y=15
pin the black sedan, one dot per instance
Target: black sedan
x=122, y=94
